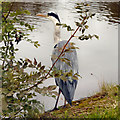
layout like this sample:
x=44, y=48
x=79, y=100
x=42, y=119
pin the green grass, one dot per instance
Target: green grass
x=101, y=105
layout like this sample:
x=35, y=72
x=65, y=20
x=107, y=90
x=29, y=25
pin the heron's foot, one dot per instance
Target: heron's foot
x=71, y=104
x=55, y=109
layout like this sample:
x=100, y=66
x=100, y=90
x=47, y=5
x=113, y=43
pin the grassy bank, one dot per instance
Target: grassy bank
x=101, y=105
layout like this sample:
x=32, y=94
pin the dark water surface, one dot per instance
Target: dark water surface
x=98, y=59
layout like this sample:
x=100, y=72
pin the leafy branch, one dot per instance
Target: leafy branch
x=45, y=77
x=16, y=81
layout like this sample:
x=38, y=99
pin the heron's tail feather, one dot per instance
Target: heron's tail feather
x=68, y=89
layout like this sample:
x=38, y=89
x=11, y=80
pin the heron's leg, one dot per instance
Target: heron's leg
x=57, y=99
x=70, y=103
x=65, y=102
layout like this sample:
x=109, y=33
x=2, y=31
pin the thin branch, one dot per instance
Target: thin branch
x=7, y=13
x=18, y=112
x=56, y=59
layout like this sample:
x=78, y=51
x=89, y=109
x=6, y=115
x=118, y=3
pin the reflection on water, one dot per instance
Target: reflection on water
x=108, y=9
x=97, y=58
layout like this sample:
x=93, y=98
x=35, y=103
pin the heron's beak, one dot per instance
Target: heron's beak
x=41, y=15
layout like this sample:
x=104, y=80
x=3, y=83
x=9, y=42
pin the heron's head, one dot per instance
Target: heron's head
x=52, y=16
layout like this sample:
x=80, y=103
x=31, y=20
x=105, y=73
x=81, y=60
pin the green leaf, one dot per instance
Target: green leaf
x=63, y=78
x=27, y=12
x=20, y=62
x=26, y=25
x=86, y=37
x=69, y=28
x=64, y=25
x=42, y=68
x=16, y=49
x=86, y=26
x=35, y=61
x=90, y=36
x=80, y=11
x=22, y=23
x=58, y=24
x=68, y=50
x=36, y=110
x=78, y=7
x=76, y=74
x=84, y=22
x=68, y=74
x=30, y=95
x=68, y=63
x=53, y=96
x=66, y=59
x=72, y=43
x=25, y=64
x=28, y=60
x=52, y=87
x=74, y=77
x=31, y=66
x=73, y=47
x=78, y=24
x=39, y=65
x=57, y=75
x=92, y=15
x=96, y=36
x=81, y=16
x=83, y=30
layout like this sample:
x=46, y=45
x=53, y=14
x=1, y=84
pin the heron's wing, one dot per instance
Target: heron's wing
x=67, y=87
x=72, y=56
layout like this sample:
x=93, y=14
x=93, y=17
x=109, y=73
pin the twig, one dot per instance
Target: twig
x=56, y=59
x=7, y=13
x=15, y=114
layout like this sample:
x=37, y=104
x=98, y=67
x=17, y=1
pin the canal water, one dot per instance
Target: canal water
x=98, y=59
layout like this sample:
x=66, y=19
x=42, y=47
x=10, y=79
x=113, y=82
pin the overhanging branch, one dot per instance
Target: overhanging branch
x=35, y=85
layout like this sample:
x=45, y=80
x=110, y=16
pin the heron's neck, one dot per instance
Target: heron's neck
x=57, y=34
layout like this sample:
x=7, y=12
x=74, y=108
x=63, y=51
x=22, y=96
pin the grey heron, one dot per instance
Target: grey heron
x=67, y=88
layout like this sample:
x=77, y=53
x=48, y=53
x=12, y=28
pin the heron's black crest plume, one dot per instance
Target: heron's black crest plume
x=54, y=15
